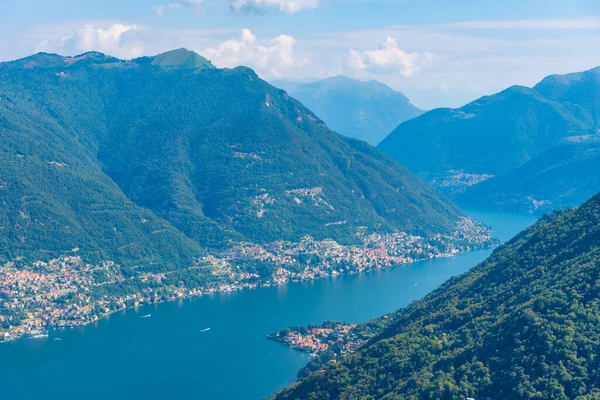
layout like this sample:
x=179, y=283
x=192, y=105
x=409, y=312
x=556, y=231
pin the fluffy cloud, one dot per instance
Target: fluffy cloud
x=116, y=39
x=160, y=10
x=271, y=59
x=475, y=62
x=389, y=56
x=286, y=6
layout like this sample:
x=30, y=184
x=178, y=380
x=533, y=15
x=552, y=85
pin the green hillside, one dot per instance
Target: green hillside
x=158, y=157
x=521, y=325
x=491, y=135
x=521, y=138
x=132, y=182
x=180, y=58
x=55, y=194
x=558, y=178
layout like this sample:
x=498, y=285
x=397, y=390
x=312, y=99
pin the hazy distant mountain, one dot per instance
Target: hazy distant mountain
x=517, y=326
x=157, y=159
x=578, y=92
x=363, y=110
x=525, y=137
x=558, y=178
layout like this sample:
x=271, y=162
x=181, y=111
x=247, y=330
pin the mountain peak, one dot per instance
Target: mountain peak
x=364, y=88
x=40, y=59
x=91, y=57
x=178, y=58
x=51, y=60
x=181, y=58
x=354, y=108
x=556, y=85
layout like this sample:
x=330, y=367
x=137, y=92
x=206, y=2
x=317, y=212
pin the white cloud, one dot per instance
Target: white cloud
x=475, y=61
x=175, y=4
x=286, y=6
x=389, y=56
x=270, y=59
x=116, y=40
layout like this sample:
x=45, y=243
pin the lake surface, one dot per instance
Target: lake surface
x=170, y=354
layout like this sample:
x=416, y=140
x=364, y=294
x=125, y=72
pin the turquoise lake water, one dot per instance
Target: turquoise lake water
x=171, y=355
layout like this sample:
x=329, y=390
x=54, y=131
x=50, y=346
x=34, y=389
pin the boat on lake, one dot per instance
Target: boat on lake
x=35, y=334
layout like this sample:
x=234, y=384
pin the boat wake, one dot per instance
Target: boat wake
x=204, y=330
x=146, y=316
x=36, y=334
x=39, y=336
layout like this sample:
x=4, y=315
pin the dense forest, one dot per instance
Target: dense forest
x=155, y=160
x=521, y=325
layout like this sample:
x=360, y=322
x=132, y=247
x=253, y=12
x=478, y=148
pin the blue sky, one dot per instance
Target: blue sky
x=440, y=53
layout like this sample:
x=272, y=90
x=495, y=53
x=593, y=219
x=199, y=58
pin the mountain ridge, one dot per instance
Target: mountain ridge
x=177, y=58
x=490, y=138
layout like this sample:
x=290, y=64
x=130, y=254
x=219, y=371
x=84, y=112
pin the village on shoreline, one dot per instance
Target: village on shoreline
x=338, y=339
x=67, y=291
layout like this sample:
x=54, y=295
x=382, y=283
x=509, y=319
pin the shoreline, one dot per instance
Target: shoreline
x=229, y=288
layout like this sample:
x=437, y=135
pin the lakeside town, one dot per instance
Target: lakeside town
x=334, y=338
x=454, y=182
x=328, y=343
x=67, y=291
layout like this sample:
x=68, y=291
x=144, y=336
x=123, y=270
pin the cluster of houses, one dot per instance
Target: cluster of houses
x=59, y=292
x=35, y=295
x=339, y=339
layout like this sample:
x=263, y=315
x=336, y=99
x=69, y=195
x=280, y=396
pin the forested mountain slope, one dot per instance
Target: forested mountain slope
x=523, y=324
x=110, y=155
x=131, y=182
x=498, y=137
x=558, y=178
